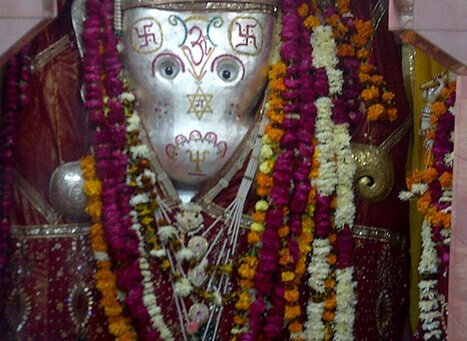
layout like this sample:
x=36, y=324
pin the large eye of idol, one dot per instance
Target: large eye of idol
x=167, y=67
x=229, y=70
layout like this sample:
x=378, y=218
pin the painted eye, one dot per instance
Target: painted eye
x=169, y=69
x=228, y=70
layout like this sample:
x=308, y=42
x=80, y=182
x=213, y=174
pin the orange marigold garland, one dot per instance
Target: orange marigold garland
x=119, y=325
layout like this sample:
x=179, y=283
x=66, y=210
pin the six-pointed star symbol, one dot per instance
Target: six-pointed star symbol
x=200, y=103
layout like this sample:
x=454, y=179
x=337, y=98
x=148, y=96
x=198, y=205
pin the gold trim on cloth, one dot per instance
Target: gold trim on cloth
x=378, y=234
x=46, y=55
x=397, y=134
x=49, y=231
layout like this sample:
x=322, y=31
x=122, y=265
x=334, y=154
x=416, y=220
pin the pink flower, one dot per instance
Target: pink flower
x=192, y=327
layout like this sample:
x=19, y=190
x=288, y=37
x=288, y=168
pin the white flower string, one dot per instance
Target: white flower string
x=333, y=144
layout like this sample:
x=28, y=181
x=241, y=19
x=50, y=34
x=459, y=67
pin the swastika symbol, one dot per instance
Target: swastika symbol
x=146, y=35
x=247, y=34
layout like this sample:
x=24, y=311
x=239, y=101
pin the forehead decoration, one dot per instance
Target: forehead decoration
x=265, y=6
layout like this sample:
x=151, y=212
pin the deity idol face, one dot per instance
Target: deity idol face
x=198, y=77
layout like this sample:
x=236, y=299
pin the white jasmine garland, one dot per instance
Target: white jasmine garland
x=346, y=300
x=429, y=305
x=314, y=326
x=419, y=188
x=345, y=210
x=319, y=267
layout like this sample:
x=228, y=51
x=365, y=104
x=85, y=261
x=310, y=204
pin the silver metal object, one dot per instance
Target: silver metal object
x=198, y=77
x=66, y=191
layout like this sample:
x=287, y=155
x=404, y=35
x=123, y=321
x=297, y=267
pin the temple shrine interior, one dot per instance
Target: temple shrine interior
x=248, y=170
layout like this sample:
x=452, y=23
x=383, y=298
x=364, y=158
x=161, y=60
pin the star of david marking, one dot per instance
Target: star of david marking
x=200, y=103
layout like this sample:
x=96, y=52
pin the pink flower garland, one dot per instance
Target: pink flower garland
x=15, y=84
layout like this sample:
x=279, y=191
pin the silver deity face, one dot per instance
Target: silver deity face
x=198, y=77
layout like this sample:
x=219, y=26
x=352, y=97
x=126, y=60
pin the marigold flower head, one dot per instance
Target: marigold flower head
x=388, y=96
x=328, y=316
x=345, y=50
x=312, y=22
x=287, y=276
x=253, y=238
x=291, y=295
x=343, y=6
x=330, y=303
x=292, y=312
x=295, y=327
x=375, y=112
x=303, y=10
x=392, y=114
x=438, y=108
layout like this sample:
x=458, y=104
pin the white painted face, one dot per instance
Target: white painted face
x=198, y=77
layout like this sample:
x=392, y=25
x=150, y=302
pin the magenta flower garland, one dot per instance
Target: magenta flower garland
x=14, y=98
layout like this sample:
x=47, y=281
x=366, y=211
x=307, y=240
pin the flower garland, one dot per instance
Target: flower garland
x=271, y=138
x=332, y=309
x=16, y=84
x=119, y=325
x=433, y=188
x=102, y=69
x=353, y=36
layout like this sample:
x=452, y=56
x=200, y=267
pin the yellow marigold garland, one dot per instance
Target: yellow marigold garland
x=119, y=325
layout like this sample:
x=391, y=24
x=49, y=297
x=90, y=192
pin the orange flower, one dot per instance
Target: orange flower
x=367, y=68
x=330, y=303
x=292, y=311
x=285, y=258
x=333, y=20
x=392, y=114
x=370, y=93
x=264, y=180
x=277, y=85
x=291, y=295
x=343, y=6
x=388, y=96
x=274, y=134
x=377, y=79
x=259, y=216
x=375, y=112
x=363, y=77
x=438, y=108
x=295, y=327
x=240, y=320
x=303, y=10
x=446, y=180
x=329, y=283
x=430, y=174
x=328, y=316
x=331, y=258
x=283, y=231
x=262, y=191
x=312, y=22
x=345, y=50
x=358, y=41
x=244, y=283
x=364, y=28
x=253, y=237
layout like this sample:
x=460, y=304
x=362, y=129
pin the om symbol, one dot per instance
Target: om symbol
x=198, y=47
